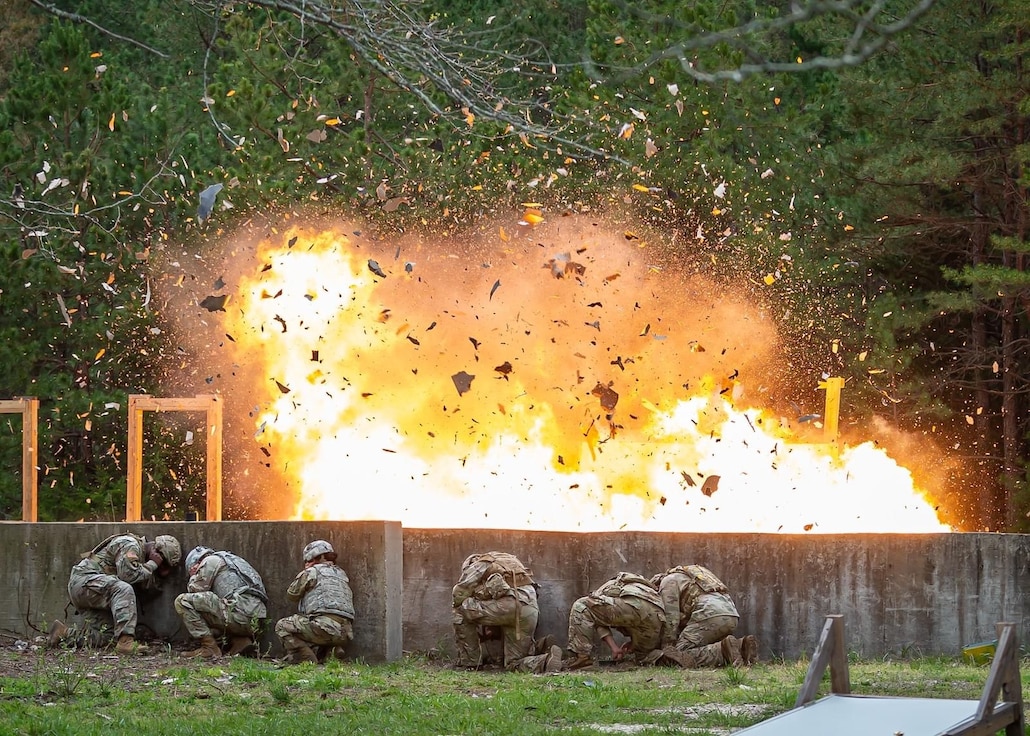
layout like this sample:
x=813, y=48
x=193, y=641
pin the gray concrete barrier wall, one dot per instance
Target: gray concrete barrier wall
x=931, y=594
x=37, y=558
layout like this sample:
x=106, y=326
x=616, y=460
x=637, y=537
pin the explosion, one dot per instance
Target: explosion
x=549, y=376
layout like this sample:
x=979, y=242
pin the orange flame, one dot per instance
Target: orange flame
x=556, y=377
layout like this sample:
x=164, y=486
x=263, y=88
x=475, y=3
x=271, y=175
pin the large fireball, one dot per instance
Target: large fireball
x=554, y=376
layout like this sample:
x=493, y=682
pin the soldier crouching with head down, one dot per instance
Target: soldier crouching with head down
x=103, y=587
x=225, y=596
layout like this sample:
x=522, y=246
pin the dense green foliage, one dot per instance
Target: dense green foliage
x=880, y=211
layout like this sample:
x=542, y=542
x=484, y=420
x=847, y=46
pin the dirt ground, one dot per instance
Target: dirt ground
x=32, y=659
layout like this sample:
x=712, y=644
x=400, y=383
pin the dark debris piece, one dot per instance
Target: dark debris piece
x=214, y=303
x=462, y=381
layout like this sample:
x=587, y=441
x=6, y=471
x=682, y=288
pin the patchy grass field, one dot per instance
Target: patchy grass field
x=89, y=692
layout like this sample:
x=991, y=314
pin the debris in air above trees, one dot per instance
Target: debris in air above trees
x=207, y=202
x=373, y=266
x=711, y=485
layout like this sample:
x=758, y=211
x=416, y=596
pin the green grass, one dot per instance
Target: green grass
x=64, y=694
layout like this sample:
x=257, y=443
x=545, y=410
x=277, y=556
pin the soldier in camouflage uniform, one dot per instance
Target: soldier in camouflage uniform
x=700, y=620
x=103, y=587
x=626, y=603
x=225, y=596
x=496, y=591
x=325, y=618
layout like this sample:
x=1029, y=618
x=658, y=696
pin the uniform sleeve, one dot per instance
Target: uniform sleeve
x=204, y=579
x=470, y=579
x=670, y=592
x=132, y=568
x=301, y=584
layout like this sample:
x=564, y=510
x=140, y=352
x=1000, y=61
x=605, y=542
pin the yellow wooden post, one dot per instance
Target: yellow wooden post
x=831, y=414
x=134, y=479
x=214, y=459
x=28, y=407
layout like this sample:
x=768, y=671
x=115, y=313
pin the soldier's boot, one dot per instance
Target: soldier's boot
x=553, y=662
x=731, y=652
x=208, y=649
x=578, y=662
x=56, y=634
x=240, y=644
x=298, y=651
x=543, y=646
x=749, y=649
x=127, y=644
x=672, y=655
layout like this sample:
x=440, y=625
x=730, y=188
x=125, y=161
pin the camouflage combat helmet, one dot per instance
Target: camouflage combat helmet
x=316, y=549
x=169, y=548
x=196, y=555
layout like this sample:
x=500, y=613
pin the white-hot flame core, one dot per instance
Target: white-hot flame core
x=499, y=387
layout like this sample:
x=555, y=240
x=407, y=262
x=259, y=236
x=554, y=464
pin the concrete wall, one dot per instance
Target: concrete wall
x=931, y=594
x=37, y=558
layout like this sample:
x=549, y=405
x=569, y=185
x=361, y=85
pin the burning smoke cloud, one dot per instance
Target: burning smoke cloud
x=553, y=375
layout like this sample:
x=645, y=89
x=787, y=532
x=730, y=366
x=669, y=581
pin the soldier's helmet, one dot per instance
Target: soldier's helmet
x=470, y=560
x=316, y=549
x=196, y=555
x=169, y=548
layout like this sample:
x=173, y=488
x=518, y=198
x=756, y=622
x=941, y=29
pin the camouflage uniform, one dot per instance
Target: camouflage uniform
x=626, y=603
x=495, y=589
x=219, y=597
x=102, y=587
x=699, y=615
x=325, y=610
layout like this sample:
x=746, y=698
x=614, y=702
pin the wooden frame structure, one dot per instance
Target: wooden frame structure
x=843, y=714
x=28, y=407
x=208, y=403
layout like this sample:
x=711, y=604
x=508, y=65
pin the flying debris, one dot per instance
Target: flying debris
x=609, y=398
x=409, y=267
x=562, y=264
x=373, y=266
x=807, y=418
x=504, y=369
x=462, y=381
x=207, y=202
x=495, y=287
x=711, y=485
x=214, y=303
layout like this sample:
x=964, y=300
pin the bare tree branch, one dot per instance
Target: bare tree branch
x=76, y=18
x=867, y=37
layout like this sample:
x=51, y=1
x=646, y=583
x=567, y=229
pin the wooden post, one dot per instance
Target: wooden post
x=831, y=414
x=28, y=407
x=208, y=403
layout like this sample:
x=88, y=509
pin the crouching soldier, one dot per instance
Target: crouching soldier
x=700, y=620
x=225, y=596
x=103, y=585
x=628, y=604
x=325, y=605
x=497, y=593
